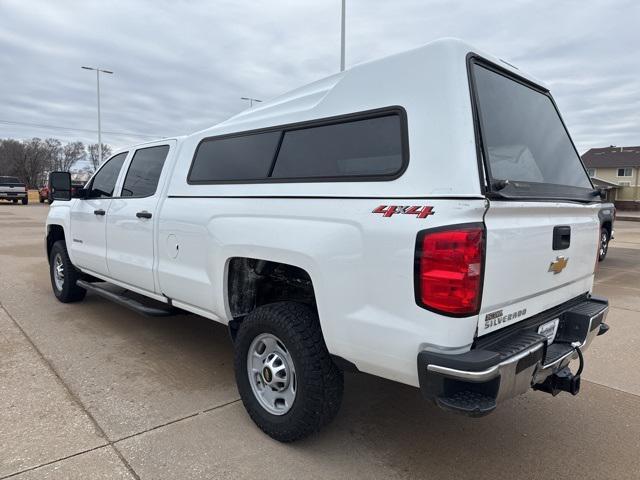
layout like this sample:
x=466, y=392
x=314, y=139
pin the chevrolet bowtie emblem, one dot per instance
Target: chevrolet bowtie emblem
x=558, y=264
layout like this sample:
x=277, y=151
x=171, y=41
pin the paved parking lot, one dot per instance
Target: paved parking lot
x=92, y=390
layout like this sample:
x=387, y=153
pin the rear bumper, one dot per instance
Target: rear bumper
x=11, y=196
x=475, y=382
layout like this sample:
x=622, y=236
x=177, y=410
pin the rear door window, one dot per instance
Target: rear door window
x=144, y=171
x=104, y=182
x=524, y=139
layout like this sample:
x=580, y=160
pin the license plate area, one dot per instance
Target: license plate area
x=549, y=330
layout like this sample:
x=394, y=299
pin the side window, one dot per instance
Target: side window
x=371, y=146
x=144, y=171
x=245, y=157
x=368, y=147
x=104, y=182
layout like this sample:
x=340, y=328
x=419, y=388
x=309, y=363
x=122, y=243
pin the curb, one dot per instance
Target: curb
x=628, y=219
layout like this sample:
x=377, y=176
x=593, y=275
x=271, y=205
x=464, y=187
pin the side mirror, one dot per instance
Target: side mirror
x=60, y=185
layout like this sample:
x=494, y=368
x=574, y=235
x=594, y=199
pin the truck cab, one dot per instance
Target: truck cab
x=424, y=218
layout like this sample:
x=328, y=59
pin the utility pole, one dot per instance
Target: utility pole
x=342, y=40
x=251, y=100
x=98, y=70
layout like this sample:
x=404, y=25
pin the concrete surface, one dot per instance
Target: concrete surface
x=628, y=215
x=92, y=390
x=35, y=407
x=101, y=463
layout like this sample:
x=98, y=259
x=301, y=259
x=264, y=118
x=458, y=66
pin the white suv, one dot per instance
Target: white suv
x=424, y=218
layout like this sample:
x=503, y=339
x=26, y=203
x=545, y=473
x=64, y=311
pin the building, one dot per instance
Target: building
x=617, y=170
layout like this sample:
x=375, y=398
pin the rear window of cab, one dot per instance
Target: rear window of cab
x=367, y=146
x=9, y=180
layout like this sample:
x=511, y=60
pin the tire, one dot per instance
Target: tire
x=65, y=289
x=25, y=201
x=317, y=381
x=41, y=199
x=15, y=201
x=604, y=244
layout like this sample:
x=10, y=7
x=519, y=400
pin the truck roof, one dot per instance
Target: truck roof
x=429, y=83
x=335, y=94
x=148, y=142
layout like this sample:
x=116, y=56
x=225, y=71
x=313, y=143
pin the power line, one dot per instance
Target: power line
x=86, y=130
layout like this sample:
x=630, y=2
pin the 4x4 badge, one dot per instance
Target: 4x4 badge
x=420, y=211
x=558, y=264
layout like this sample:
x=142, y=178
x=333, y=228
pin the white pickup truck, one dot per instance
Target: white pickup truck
x=12, y=189
x=424, y=218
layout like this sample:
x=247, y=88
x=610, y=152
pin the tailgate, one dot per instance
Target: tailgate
x=524, y=274
x=12, y=188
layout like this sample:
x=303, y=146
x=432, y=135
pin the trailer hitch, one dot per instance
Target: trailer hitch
x=563, y=380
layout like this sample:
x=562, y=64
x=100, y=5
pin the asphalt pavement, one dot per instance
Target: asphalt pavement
x=93, y=390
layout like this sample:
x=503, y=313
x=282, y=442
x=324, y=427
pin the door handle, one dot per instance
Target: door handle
x=143, y=214
x=99, y=212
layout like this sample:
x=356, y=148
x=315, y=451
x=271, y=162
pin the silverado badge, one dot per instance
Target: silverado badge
x=558, y=264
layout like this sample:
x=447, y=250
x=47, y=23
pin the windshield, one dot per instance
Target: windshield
x=525, y=141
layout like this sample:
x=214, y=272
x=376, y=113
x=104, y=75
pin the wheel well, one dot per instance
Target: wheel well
x=55, y=233
x=253, y=282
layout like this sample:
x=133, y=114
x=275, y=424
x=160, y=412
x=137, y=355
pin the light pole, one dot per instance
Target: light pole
x=98, y=70
x=251, y=100
x=342, y=33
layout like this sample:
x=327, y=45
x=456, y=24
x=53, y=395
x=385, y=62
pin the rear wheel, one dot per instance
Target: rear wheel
x=64, y=275
x=41, y=199
x=287, y=381
x=15, y=201
x=25, y=200
x=604, y=244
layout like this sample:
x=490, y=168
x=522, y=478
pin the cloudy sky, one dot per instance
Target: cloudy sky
x=181, y=66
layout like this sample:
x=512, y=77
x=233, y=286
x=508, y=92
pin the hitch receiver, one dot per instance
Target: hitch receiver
x=562, y=381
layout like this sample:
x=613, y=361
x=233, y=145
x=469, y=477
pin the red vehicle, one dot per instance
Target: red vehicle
x=44, y=193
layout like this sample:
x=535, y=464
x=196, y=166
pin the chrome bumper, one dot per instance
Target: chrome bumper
x=523, y=360
x=8, y=196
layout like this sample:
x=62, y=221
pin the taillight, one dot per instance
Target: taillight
x=449, y=269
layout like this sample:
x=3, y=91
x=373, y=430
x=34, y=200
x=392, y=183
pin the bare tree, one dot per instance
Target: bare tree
x=71, y=154
x=36, y=158
x=11, y=154
x=53, y=150
x=32, y=160
x=92, y=150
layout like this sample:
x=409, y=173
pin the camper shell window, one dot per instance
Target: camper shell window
x=366, y=146
x=525, y=144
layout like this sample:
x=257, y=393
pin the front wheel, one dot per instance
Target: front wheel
x=64, y=275
x=25, y=201
x=287, y=381
x=604, y=244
